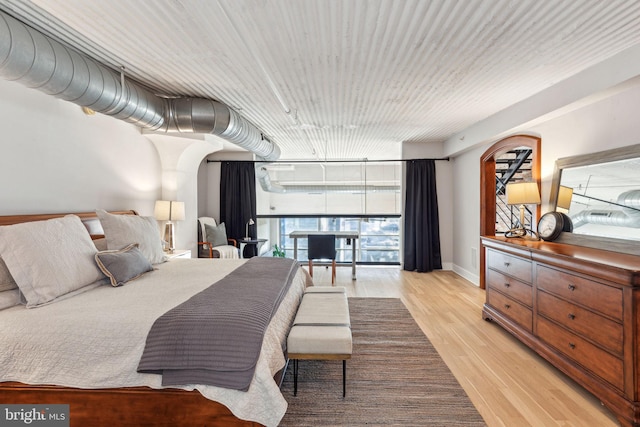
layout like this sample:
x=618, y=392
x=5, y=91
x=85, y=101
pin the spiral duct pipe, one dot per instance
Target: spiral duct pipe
x=626, y=217
x=631, y=199
x=39, y=62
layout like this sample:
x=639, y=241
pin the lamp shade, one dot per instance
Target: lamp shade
x=565, y=194
x=169, y=210
x=522, y=193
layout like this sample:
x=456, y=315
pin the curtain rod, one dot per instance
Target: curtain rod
x=329, y=161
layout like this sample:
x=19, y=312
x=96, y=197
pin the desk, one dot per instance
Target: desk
x=348, y=235
x=245, y=242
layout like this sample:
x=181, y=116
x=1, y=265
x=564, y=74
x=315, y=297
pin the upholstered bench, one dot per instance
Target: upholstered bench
x=321, y=330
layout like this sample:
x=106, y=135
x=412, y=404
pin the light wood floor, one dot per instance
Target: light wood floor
x=509, y=384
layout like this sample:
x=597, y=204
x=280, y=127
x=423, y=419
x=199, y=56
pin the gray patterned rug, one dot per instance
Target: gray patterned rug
x=395, y=377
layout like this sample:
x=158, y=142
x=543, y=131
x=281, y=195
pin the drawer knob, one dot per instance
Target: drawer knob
x=507, y=264
x=572, y=345
x=572, y=287
x=571, y=316
x=507, y=306
x=506, y=285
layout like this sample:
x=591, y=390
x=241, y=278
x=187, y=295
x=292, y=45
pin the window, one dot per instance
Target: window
x=379, y=241
x=358, y=196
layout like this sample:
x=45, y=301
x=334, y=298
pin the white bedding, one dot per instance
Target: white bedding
x=95, y=339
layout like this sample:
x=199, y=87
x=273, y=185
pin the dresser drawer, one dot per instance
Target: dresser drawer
x=510, y=308
x=509, y=264
x=591, y=357
x=513, y=288
x=598, y=329
x=596, y=296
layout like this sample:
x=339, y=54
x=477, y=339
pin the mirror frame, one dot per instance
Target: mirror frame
x=606, y=156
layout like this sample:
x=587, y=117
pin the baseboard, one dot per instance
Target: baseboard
x=472, y=277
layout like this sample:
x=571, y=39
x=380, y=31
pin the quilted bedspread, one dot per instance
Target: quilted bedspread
x=95, y=339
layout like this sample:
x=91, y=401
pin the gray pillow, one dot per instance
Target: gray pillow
x=122, y=230
x=123, y=265
x=216, y=235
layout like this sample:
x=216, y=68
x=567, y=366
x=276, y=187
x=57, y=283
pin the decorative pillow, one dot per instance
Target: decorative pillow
x=122, y=230
x=6, y=280
x=123, y=265
x=216, y=235
x=49, y=258
x=9, y=298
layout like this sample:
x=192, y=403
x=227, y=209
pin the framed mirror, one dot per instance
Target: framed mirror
x=601, y=194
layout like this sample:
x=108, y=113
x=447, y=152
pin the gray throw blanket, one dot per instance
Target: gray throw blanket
x=215, y=337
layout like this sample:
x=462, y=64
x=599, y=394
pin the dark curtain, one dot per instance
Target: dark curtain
x=238, y=200
x=421, y=227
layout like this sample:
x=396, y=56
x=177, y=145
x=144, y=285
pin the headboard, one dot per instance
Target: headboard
x=89, y=219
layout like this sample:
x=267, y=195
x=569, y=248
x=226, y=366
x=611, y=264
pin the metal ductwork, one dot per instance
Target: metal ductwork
x=39, y=62
x=262, y=174
x=626, y=217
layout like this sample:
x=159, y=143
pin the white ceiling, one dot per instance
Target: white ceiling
x=345, y=79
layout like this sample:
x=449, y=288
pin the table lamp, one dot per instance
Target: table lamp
x=521, y=193
x=250, y=222
x=169, y=211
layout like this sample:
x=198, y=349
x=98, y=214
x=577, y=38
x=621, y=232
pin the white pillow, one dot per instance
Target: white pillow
x=49, y=258
x=6, y=280
x=9, y=298
x=122, y=230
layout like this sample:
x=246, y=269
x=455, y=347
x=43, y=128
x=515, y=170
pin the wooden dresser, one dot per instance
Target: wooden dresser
x=577, y=307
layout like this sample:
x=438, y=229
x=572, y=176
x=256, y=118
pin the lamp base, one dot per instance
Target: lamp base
x=521, y=233
x=169, y=237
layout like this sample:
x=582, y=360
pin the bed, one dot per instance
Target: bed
x=83, y=346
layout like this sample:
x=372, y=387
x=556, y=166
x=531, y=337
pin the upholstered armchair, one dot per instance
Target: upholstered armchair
x=213, y=241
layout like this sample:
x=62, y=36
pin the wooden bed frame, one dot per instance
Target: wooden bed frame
x=125, y=407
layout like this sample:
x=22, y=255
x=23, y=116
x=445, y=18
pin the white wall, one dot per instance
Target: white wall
x=466, y=215
x=609, y=123
x=54, y=158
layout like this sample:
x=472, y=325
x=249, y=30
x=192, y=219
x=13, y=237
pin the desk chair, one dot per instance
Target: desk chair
x=322, y=246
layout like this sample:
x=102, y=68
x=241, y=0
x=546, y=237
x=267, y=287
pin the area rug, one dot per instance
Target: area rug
x=395, y=377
